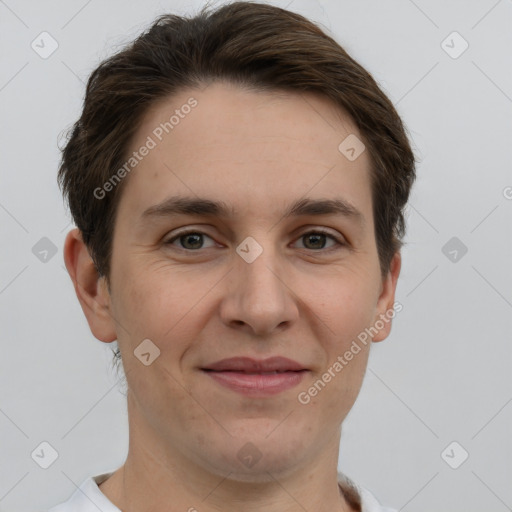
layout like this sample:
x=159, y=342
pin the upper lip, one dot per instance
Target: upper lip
x=248, y=364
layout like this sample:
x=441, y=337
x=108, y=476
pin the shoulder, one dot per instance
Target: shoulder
x=87, y=498
x=360, y=498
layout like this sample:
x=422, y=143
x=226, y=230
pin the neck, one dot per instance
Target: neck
x=157, y=476
x=130, y=491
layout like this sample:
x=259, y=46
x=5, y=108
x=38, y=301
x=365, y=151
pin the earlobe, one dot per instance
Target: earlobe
x=385, y=309
x=90, y=288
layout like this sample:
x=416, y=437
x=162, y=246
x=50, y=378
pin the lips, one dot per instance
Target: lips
x=256, y=378
x=249, y=365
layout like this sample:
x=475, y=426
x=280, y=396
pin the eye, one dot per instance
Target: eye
x=317, y=240
x=189, y=240
x=313, y=240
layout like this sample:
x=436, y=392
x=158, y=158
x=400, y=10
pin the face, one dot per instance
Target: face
x=244, y=233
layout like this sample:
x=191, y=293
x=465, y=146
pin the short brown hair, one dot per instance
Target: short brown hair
x=254, y=45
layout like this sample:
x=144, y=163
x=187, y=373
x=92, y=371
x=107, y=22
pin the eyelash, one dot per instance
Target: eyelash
x=339, y=243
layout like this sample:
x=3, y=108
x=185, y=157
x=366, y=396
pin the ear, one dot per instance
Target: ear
x=90, y=288
x=387, y=299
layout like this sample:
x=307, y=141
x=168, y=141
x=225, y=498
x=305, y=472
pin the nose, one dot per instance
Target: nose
x=259, y=299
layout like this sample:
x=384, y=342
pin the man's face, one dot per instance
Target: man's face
x=252, y=282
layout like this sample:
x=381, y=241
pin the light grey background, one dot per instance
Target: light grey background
x=444, y=373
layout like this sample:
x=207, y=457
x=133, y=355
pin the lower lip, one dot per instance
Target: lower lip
x=257, y=384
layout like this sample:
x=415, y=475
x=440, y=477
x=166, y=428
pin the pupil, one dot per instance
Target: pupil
x=194, y=240
x=318, y=238
x=191, y=236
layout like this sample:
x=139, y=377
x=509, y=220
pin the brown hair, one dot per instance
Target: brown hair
x=250, y=44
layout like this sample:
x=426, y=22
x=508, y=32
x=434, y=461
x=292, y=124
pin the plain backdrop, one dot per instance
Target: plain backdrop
x=436, y=391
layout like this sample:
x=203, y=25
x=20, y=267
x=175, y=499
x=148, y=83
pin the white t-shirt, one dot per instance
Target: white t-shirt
x=89, y=498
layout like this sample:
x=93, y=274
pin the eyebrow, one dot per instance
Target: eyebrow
x=204, y=207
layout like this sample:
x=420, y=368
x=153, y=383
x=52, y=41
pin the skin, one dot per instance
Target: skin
x=298, y=299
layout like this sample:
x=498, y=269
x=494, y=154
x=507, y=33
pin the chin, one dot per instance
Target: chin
x=260, y=454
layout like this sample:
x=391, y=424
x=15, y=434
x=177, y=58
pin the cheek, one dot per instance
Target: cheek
x=162, y=304
x=145, y=306
x=346, y=385
x=347, y=306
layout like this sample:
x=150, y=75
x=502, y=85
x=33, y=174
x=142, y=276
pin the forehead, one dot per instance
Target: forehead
x=226, y=111
x=247, y=145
